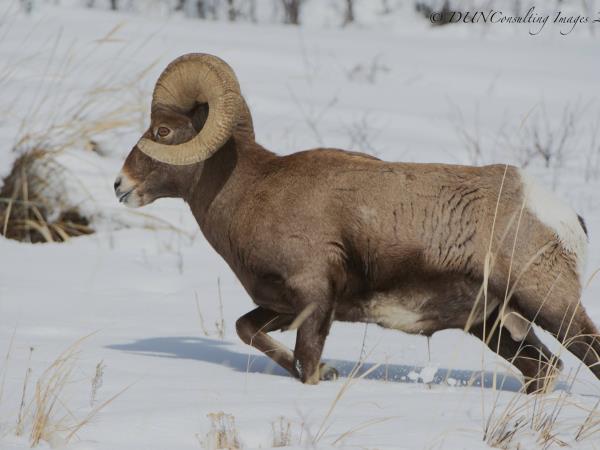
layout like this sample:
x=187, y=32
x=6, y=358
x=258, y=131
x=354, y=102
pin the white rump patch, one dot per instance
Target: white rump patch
x=558, y=216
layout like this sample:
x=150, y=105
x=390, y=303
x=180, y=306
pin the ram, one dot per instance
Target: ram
x=327, y=234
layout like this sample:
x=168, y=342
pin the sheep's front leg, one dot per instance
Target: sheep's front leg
x=310, y=341
x=252, y=328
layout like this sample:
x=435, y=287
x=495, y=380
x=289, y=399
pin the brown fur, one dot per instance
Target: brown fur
x=403, y=245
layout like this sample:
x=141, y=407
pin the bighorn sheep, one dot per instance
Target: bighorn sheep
x=327, y=234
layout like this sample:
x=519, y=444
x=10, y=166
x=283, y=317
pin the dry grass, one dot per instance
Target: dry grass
x=223, y=433
x=79, y=116
x=354, y=376
x=220, y=322
x=362, y=135
x=5, y=366
x=543, y=419
x=45, y=417
x=368, y=72
x=555, y=140
x=282, y=432
x=21, y=416
x=97, y=381
x=32, y=201
x=591, y=424
x=46, y=422
x=36, y=204
x=219, y=328
x=538, y=417
x=543, y=416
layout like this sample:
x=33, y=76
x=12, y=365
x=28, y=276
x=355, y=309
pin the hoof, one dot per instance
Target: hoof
x=328, y=373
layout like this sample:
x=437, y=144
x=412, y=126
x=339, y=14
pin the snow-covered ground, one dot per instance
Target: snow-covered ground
x=146, y=291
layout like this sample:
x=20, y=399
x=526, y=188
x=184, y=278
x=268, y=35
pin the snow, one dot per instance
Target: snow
x=144, y=290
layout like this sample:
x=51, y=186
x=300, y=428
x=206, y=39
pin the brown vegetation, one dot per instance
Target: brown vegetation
x=32, y=207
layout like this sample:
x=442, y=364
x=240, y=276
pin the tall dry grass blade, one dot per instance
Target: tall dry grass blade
x=352, y=377
x=200, y=316
x=249, y=360
x=6, y=360
x=21, y=415
x=7, y=214
x=304, y=314
x=360, y=427
x=591, y=278
x=42, y=229
x=590, y=423
x=94, y=412
x=109, y=36
x=220, y=323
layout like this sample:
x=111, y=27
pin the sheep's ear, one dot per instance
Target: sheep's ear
x=199, y=116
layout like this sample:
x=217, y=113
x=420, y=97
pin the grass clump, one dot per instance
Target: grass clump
x=282, y=432
x=223, y=433
x=33, y=201
x=43, y=415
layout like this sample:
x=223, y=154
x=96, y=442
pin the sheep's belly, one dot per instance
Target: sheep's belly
x=397, y=318
x=389, y=311
x=421, y=313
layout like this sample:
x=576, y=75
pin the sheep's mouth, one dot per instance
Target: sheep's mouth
x=126, y=194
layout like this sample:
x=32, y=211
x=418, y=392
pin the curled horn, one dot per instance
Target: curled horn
x=191, y=79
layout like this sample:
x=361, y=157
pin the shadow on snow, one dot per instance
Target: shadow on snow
x=218, y=352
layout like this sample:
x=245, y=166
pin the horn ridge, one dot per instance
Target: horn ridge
x=202, y=78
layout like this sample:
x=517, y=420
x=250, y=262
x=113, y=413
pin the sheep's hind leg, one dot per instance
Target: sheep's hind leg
x=252, y=328
x=536, y=362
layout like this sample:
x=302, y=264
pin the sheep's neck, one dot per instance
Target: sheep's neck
x=220, y=184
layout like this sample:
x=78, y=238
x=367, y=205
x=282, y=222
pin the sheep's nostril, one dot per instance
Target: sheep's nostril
x=117, y=183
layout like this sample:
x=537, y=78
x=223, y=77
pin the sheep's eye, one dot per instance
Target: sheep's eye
x=163, y=132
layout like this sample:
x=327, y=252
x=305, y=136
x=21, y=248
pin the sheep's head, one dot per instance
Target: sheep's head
x=196, y=106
